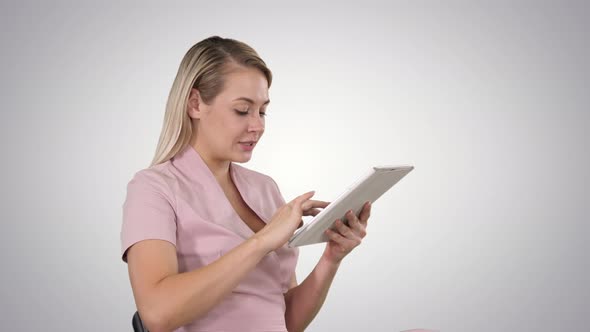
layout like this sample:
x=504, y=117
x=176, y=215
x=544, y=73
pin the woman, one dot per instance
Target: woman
x=204, y=238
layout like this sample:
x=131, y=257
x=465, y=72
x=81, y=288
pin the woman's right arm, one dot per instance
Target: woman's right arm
x=167, y=299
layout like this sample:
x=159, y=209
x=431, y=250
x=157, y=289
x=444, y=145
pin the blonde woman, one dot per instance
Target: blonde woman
x=205, y=238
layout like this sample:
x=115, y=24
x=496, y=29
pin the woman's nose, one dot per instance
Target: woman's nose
x=256, y=123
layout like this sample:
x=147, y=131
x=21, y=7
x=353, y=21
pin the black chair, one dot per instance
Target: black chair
x=138, y=324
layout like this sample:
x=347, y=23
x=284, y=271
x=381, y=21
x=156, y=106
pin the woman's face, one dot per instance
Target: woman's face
x=229, y=128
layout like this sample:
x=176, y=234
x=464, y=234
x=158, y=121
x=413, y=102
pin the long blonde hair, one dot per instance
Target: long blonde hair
x=203, y=67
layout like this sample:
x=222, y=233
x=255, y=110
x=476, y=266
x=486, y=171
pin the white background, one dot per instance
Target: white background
x=488, y=102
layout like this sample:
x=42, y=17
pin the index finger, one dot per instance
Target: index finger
x=365, y=213
x=311, y=204
x=299, y=200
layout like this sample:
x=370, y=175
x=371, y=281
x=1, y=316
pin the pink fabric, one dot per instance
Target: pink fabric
x=180, y=201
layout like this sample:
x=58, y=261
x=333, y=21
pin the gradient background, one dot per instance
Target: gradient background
x=488, y=101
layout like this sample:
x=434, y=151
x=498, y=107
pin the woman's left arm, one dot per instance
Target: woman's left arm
x=304, y=301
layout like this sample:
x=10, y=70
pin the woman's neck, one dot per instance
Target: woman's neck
x=219, y=168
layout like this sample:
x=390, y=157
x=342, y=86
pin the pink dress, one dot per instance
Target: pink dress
x=181, y=202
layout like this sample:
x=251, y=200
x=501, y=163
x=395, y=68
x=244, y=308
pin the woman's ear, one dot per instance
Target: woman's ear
x=194, y=104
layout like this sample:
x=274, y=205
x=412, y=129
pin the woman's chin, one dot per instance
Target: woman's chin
x=243, y=157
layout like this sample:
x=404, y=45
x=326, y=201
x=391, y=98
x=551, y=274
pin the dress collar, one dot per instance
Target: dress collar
x=192, y=164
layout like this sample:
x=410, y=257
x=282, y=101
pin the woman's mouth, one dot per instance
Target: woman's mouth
x=248, y=146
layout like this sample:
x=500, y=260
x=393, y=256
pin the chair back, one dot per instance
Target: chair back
x=138, y=324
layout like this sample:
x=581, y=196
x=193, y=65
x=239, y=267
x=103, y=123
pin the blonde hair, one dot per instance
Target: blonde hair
x=203, y=67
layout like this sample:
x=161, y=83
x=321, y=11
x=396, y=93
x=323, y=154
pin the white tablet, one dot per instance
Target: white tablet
x=368, y=188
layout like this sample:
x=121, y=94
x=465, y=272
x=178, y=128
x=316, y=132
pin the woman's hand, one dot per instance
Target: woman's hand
x=346, y=238
x=312, y=208
x=286, y=220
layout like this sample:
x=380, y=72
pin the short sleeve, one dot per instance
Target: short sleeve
x=148, y=213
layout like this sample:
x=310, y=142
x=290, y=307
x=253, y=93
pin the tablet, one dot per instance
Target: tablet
x=368, y=188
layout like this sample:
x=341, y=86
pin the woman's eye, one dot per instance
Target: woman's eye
x=244, y=113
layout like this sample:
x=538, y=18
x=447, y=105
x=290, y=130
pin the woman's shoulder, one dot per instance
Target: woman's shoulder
x=157, y=177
